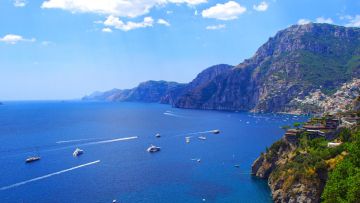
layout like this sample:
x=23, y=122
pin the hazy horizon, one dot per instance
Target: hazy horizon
x=65, y=49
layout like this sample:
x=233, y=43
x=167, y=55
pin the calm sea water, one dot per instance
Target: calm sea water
x=127, y=172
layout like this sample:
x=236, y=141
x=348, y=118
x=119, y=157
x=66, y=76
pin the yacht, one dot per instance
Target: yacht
x=78, y=152
x=32, y=159
x=202, y=137
x=153, y=148
x=216, y=131
x=157, y=135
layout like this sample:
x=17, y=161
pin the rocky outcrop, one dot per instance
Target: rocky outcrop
x=298, y=65
x=293, y=63
x=150, y=91
x=285, y=187
x=161, y=91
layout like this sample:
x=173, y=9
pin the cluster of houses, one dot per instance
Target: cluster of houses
x=327, y=126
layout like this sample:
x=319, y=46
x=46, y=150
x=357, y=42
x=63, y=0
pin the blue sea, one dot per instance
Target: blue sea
x=115, y=163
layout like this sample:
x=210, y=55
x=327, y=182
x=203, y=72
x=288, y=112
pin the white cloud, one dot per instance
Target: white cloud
x=13, y=39
x=353, y=21
x=163, y=22
x=116, y=23
x=216, y=27
x=20, y=3
x=345, y=17
x=324, y=20
x=188, y=2
x=303, y=21
x=106, y=29
x=227, y=11
x=120, y=8
x=263, y=6
x=46, y=43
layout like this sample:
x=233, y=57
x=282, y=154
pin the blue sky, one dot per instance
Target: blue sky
x=64, y=49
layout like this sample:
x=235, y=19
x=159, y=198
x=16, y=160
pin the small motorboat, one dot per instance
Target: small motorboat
x=157, y=135
x=153, y=148
x=196, y=159
x=236, y=165
x=78, y=152
x=216, y=131
x=187, y=139
x=202, y=137
x=32, y=159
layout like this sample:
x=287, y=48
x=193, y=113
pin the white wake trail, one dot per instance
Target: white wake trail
x=173, y=115
x=93, y=143
x=48, y=175
x=109, y=141
x=79, y=140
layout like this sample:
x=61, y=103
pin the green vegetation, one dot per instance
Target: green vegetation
x=343, y=184
x=308, y=162
x=297, y=125
x=312, y=160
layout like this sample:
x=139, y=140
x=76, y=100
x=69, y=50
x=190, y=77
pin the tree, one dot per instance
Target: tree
x=297, y=125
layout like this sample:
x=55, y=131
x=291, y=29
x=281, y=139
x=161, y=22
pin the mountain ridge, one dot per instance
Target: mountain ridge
x=286, y=69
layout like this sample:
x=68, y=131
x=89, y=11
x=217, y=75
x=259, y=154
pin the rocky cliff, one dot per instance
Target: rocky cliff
x=150, y=91
x=302, y=69
x=297, y=167
x=285, y=182
x=161, y=91
x=292, y=64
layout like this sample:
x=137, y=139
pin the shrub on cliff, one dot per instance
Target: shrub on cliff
x=343, y=184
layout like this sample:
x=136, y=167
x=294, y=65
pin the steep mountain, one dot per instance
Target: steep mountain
x=289, y=66
x=160, y=91
x=195, y=87
x=302, y=69
x=150, y=91
x=102, y=96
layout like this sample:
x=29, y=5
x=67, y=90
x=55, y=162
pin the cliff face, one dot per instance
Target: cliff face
x=150, y=91
x=284, y=184
x=299, y=65
x=298, y=165
x=162, y=91
x=293, y=63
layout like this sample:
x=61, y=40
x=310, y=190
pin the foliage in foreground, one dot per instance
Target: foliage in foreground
x=343, y=184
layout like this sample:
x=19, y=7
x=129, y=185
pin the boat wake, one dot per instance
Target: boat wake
x=48, y=175
x=201, y=132
x=110, y=141
x=169, y=113
x=94, y=143
x=79, y=140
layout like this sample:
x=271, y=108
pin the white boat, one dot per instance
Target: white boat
x=187, y=139
x=202, y=137
x=78, y=152
x=196, y=159
x=158, y=135
x=32, y=159
x=216, y=131
x=153, y=148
